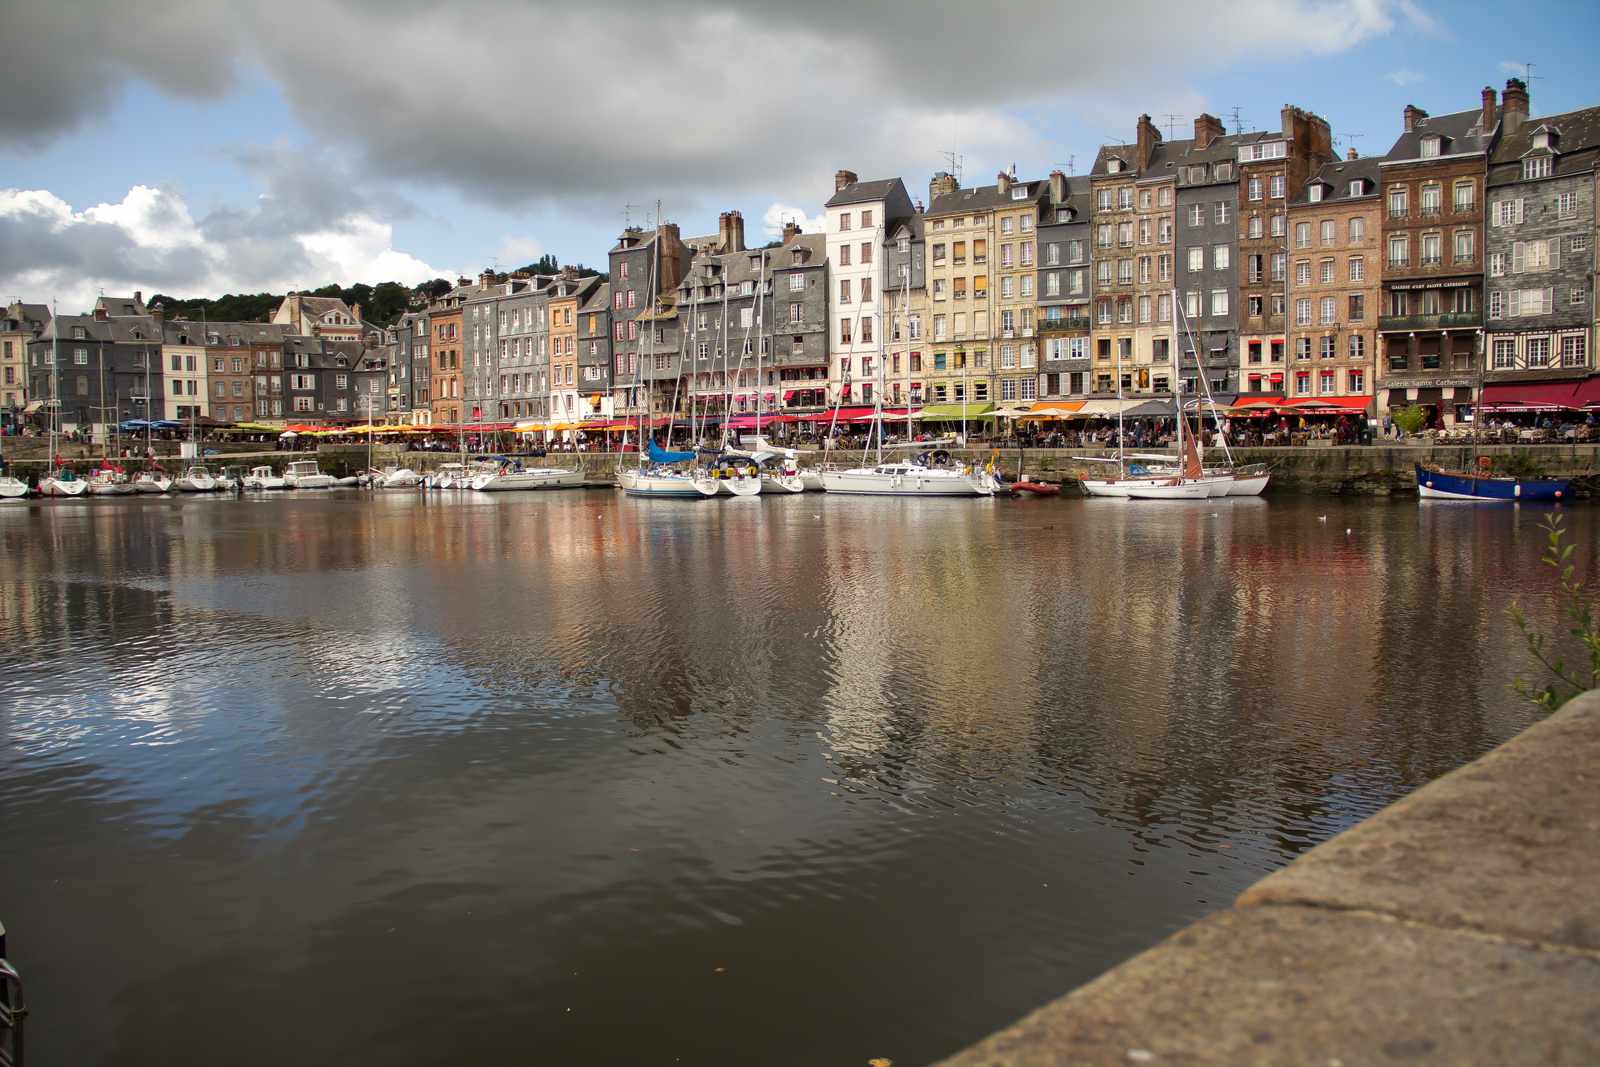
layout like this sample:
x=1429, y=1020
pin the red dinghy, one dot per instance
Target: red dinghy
x=1037, y=488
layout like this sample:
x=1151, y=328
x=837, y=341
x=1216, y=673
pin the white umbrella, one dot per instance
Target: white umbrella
x=287, y=433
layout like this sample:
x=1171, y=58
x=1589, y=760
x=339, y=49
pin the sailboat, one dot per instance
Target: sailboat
x=58, y=480
x=109, y=481
x=1191, y=481
x=665, y=477
x=1125, y=477
x=11, y=487
x=195, y=480
x=154, y=480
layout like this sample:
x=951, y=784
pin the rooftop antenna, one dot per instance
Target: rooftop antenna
x=1172, y=121
x=1072, y=161
x=1348, y=140
x=627, y=215
x=955, y=160
x=1238, y=123
x=1528, y=76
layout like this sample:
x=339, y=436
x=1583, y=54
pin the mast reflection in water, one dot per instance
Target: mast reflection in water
x=578, y=778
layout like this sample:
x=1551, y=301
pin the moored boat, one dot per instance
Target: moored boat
x=305, y=474
x=664, y=483
x=515, y=477
x=64, y=482
x=13, y=488
x=152, y=481
x=396, y=478
x=1437, y=483
x=195, y=480
x=262, y=478
x=107, y=481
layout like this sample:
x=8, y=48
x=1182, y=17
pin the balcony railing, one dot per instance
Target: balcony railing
x=1451, y=320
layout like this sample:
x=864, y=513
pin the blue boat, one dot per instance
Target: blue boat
x=1435, y=483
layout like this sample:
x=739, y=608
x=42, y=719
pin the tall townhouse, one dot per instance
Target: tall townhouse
x=266, y=370
x=341, y=370
x=230, y=378
x=905, y=308
x=22, y=323
x=594, y=348
x=402, y=383
x=416, y=324
x=1431, y=319
x=524, y=356
x=1207, y=251
x=185, y=372
x=1064, y=287
x=1134, y=209
x=858, y=215
x=302, y=379
x=800, y=312
x=1539, y=245
x=726, y=317
x=445, y=322
x=102, y=368
x=1336, y=285
x=1273, y=168
x=564, y=348
x=481, y=345
x=1016, y=241
x=646, y=268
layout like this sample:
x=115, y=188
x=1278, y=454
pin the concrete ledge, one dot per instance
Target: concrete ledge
x=1459, y=926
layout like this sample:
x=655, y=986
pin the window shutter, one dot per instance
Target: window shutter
x=1518, y=218
x=1513, y=303
x=1549, y=301
x=1554, y=244
x=1516, y=257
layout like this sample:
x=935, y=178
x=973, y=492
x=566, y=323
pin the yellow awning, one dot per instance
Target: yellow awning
x=1053, y=409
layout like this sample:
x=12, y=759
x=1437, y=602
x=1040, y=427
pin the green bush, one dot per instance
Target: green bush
x=1411, y=418
x=1567, y=682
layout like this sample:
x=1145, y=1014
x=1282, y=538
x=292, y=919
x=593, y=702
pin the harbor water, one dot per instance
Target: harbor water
x=577, y=778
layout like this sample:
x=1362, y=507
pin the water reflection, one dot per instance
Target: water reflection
x=637, y=778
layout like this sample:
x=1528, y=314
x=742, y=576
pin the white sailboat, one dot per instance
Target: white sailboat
x=11, y=487
x=396, y=478
x=905, y=477
x=154, y=480
x=58, y=480
x=1119, y=483
x=108, y=481
x=305, y=474
x=515, y=477
x=1191, y=482
x=195, y=480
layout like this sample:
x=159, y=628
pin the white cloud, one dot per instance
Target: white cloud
x=777, y=214
x=1512, y=67
x=1403, y=78
x=513, y=252
x=149, y=240
x=800, y=100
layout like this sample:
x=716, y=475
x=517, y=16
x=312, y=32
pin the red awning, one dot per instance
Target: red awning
x=788, y=395
x=1275, y=376
x=1541, y=396
x=845, y=414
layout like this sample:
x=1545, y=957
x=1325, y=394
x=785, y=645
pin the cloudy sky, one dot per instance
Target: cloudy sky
x=196, y=149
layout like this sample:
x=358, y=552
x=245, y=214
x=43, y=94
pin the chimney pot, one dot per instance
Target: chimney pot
x=843, y=178
x=138, y=296
x=1148, y=137
x=100, y=314
x=791, y=230
x=1207, y=128
x=1058, y=187
x=1351, y=154
x=1002, y=182
x=1514, y=104
x=1412, y=115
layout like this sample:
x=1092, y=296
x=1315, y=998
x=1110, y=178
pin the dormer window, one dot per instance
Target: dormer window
x=1314, y=193
x=796, y=257
x=1063, y=214
x=1224, y=172
x=1356, y=188
x=1430, y=147
x=1536, y=167
x=1113, y=166
x=1019, y=192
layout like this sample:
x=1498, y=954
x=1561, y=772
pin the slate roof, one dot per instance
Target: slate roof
x=983, y=198
x=1336, y=177
x=865, y=192
x=1461, y=130
x=132, y=329
x=121, y=305
x=1080, y=199
x=1575, y=146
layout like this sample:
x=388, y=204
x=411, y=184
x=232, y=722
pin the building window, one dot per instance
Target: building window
x=1538, y=351
x=1302, y=311
x=1325, y=271
x=1314, y=194
x=1275, y=187
x=1573, y=350
x=1465, y=246
x=1398, y=202
x=1536, y=167
x=1399, y=250
x=1358, y=347
x=1358, y=231
x=1302, y=235
x=1329, y=310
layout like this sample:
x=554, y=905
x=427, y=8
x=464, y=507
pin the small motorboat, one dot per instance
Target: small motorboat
x=62, y=483
x=305, y=474
x=261, y=478
x=108, y=481
x=1028, y=485
x=1436, y=483
x=152, y=481
x=349, y=481
x=229, y=479
x=195, y=480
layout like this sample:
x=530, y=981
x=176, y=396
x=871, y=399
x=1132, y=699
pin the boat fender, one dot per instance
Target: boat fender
x=1516, y=490
x=1558, y=494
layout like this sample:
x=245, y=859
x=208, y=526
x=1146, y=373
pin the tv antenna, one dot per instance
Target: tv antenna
x=1172, y=121
x=1348, y=140
x=1238, y=123
x=1528, y=75
x=955, y=161
x=627, y=215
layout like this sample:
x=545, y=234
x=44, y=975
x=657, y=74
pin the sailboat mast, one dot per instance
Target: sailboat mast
x=761, y=334
x=55, y=380
x=1122, y=462
x=650, y=338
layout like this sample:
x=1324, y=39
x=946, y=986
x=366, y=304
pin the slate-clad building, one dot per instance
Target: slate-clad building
x=905, y=310
x=641, y=322
x=594, y=348
x=107, y=368
x=1064, y=287
x=1539, y=297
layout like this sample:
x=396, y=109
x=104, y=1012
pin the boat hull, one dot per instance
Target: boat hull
x=782, y=483
x=1197, y=490
x=661, y=486
x=59, y=487
x=1248, y=484
x=1448, y=485
x=400, y=479
x=311, y=481
x=871, y=482
x=13, y=489
x=811, y=481
x=108, y=488
x=540, y=478
x=146, y=485
x=195, y=485
x=739, y=486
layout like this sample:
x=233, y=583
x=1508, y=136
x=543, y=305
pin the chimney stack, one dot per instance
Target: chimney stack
x=1058, y=187
x=1207, y=128
x=1002, y=182
x=1351, y=154
x=100, y=314
x=941, y=184
x=486, y=278
x=842, y=178
x=730, y=231
x=1514, y=104
x=1412, y=115
x=1487, y=119
x=1148, y=138
x=791, y=230
x=138, y=296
